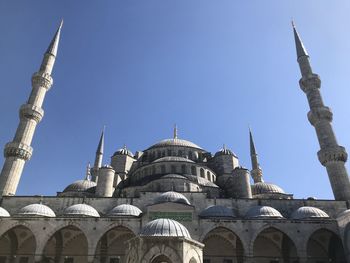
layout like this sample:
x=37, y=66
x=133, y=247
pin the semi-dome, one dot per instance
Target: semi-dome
x=216, y=211
x=79, y=186
x=36, y=210
x=171, y=196
x=165, y=227
x=82, y=210
x=4, y=213
x=266, y=188
x=173, y=159
x=224, y=151
x=263, y=212
x=125, y=210
x=309, y=212
x=175, y=142
x=124, y=151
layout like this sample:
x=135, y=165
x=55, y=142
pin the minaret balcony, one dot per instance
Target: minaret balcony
x=320, y=114
x=41, y=79
x=332, y=154
x=312, y=81
x=19, y=150
x=32, y=112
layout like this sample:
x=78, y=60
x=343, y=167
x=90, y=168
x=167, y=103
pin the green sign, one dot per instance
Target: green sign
x=178, y=216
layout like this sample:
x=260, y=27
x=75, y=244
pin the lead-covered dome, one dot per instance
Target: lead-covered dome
x=266, y=188
x=173, y=159
x=171, y=196
x=79, y=186
x=124, y=151
x=217, y=211
x=3, y=212
x=175, y=142
x=263, y=212
x=309, y=212
x=224, y=151
x=81, y=210
x=125, y=210
x=165, y=227
x=38, y=210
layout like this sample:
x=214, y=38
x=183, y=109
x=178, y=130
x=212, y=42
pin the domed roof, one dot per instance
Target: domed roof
x=224, y=151
x=4, y=213
x=79, y=186
x=266, y=188
x=124, y=151
x=125, y=210
x=309, y=212
x=175, y=142
x=165, y=227
x=36, y=210
x=263, y=212
x=173, y=159
x=216, y=211
x=171, y=196
x=81, y=210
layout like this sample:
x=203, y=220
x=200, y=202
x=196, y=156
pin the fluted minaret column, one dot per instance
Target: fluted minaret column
x=256, y=171
x=19, y=150
x=331, y=155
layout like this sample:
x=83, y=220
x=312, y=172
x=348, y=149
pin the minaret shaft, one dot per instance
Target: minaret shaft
x=331, y=155
x=19, y=150
x=256, y=171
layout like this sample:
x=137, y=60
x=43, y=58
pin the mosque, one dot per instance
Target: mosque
x=173, y=202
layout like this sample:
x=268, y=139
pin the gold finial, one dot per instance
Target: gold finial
x=175, y=131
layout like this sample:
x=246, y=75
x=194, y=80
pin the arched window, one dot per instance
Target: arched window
x=169, y=152
x=162, y=169
x=209, y=176
x=179, y=153
x=158, y=154
x=190, y=155
x=173, y=169
x=202, y=172
x=193, y=170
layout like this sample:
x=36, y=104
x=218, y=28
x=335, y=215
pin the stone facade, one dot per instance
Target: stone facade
x=174, y=201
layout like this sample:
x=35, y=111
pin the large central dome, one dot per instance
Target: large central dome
x=175, y=142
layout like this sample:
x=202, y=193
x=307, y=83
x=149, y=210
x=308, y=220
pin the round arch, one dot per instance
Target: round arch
x=221, y=244
x=161, y=259
x=18, y=242
x=69, y=243
x=324, y=245
x=272, y=244
x=113, y=244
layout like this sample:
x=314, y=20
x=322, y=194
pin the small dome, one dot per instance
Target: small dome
x=224, y=151
x=216, y=211
x=4, y=213
x=171, y=196
x=79, y=186
x=266, y=188
x=36, y=210
x=124, y=151
x=165, y=227
x=125, y=210
x=263, y=212
x=81, y=210
x=173, y=159
x=309, y=212
x=175, y=142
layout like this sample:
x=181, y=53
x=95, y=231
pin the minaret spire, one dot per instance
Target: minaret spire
x=175, y=131
x=331, y=155
x=99, y=155
x=256, y=171
x=88, y=172
x=19, y=150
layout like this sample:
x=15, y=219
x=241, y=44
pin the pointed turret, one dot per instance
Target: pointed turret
x=331, y=155
x=88, y=172
x=99, y=151
x=52, y=49
x=175, y=131
x=256, y=171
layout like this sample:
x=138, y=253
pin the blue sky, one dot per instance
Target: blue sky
x=212, y=67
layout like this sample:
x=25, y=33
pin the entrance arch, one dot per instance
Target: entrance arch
x=325, y=246
x=112, y=245
x=17, y=245
x=161, y=259
x=222, y=245
x=272, y=245
x=69, y=244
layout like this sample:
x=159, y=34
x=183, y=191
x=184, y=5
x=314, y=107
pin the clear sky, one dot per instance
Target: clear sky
x=212, y=67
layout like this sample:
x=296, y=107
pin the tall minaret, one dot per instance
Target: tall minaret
x=256, y=171
x=331, y=155
x=99, y=156
x=19, y=150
